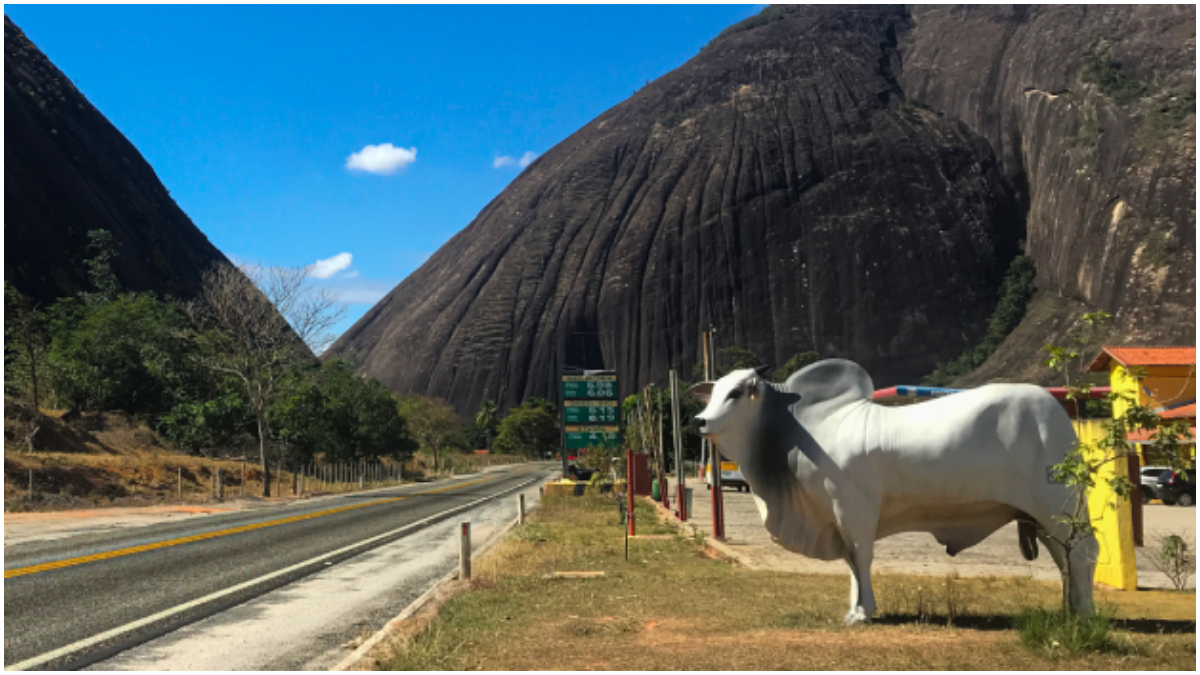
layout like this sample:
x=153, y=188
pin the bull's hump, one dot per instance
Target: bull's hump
x=831, y=380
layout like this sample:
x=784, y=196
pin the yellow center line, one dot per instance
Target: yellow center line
x=70, y=562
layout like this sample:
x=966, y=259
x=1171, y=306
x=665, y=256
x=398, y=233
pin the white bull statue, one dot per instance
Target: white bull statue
x=832, y=472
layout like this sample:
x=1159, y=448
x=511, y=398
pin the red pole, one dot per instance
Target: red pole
x=718, y=511
x=629, y=490
x=681, y=501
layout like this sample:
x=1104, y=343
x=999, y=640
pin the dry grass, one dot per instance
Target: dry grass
x=107, y=459
x=672, y=606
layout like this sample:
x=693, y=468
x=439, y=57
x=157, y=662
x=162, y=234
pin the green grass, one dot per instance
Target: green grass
x=1052, y=631
x=673, y=605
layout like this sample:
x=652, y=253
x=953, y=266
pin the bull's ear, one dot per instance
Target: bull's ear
x=701, y=392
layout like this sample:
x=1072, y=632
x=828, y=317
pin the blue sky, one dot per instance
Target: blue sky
x=292, y=135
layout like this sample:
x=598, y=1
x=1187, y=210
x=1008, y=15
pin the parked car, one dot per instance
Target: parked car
x=1149, y=476
x=731, y=476
x=579, y=474
x=1175, y=488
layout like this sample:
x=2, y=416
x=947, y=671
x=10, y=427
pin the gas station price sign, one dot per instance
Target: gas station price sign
x=589, y=387
x=592, y=436
x=591, y=412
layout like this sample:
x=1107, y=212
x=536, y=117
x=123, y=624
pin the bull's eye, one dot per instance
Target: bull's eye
x=733, y=394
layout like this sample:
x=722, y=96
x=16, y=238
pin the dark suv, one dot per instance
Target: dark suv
x=1176, y=488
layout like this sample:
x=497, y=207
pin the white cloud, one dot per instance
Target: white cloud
x=324, y=269
x=382, y=159
x=504, y=161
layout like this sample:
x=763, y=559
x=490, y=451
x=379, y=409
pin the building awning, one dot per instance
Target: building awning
x=1143, y=356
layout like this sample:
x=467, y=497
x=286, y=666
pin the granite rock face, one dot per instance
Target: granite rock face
x=1091, y=111
x=779, y=186
x=67, y=170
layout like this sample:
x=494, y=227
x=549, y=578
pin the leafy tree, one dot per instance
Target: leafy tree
x=256, y=324
x=131, y=354
x=536, y=402
x=432, y=422
x=528, y=430
x=330, y=410
x=737, y=358
x=794, y=364
x=486, y=422
x=301, y=419
x=100, y=267
x=197, y=426
x=26, y=340
x=365, y=419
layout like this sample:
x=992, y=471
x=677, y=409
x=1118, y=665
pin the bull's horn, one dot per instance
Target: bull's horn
x=762, y=370
x=701, y=391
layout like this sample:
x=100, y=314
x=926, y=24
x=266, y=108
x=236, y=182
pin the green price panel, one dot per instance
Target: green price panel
x=583, y=386
x=582, y=437
x=591, y=412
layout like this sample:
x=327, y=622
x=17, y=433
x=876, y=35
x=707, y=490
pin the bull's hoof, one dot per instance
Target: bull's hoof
x=856, y=616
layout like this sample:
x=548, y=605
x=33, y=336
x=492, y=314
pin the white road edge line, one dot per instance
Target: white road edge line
x=35, y=661
x=414, y=606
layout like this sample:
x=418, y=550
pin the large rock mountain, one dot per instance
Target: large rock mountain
x=67, y=170
x=1091, y=110
x=852, y=181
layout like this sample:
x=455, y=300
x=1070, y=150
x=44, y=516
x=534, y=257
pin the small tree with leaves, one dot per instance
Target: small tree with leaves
x=433, y=424
x=26, y=341
x=1172, y=556
x=486, y=421
x=1082, y=466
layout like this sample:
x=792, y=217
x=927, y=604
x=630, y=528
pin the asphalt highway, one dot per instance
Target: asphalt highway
x=69, y=603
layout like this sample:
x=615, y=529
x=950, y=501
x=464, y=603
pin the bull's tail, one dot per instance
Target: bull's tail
x=1027, y=538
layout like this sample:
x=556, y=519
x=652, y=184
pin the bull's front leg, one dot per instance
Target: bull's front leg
x=862, y=597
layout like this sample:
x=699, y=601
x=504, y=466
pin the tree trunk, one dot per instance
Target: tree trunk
x=33, y=373
x=262, y=453
x=1067, y=609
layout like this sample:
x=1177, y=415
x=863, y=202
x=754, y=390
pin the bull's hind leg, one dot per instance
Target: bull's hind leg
x=1081, y=564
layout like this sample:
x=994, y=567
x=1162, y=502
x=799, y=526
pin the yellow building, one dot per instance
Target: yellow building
x=1160, y=378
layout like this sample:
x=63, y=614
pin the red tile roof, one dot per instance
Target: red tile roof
x=1181, y=413
x=1144, y=356
x=1143, y=436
